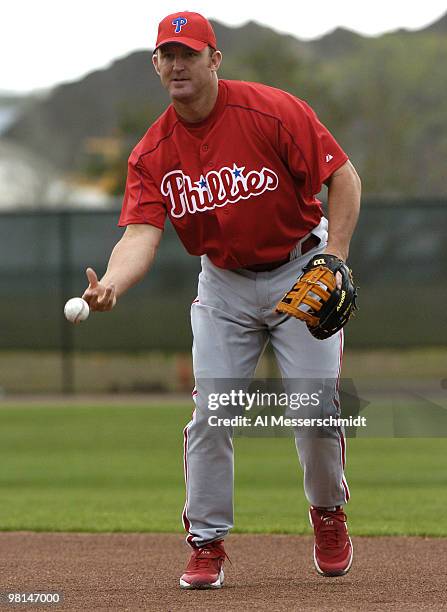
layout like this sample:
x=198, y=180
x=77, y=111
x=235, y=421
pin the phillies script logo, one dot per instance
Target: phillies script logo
x=217, y=188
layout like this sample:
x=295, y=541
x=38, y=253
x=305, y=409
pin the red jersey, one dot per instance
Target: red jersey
x=239, y=186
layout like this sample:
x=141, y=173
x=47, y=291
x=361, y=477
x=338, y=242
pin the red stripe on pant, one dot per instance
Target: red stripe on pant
x=340, y=432
x=343, y=462
x=185, y=520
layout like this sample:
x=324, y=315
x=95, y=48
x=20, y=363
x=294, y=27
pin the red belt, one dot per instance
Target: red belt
x=310, y=243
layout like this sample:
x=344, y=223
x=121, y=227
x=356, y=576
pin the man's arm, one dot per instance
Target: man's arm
x=129, y=262
x=344, y=189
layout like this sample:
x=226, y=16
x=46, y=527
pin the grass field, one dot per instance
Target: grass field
x=120, y=468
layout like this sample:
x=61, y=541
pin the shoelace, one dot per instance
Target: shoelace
x=331, y=532
x=200, y=562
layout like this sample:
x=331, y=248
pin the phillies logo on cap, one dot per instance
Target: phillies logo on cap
x=179, y=22
x=197, y=35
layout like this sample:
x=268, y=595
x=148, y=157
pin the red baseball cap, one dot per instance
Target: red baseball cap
x=190, y=29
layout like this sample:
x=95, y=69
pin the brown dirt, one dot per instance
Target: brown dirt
x=275, y=573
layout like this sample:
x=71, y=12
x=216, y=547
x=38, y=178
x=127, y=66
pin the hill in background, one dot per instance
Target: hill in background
x=383, y=98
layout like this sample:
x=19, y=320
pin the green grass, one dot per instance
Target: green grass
x=120, y=469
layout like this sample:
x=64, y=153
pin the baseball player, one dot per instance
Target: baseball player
x=236, y=167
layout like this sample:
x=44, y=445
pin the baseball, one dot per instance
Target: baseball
x=76, y=310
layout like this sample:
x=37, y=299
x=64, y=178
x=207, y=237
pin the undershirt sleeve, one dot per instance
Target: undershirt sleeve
x=143, y=202
x=307, y=147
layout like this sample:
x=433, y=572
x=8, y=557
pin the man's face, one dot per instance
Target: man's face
x=185, y=73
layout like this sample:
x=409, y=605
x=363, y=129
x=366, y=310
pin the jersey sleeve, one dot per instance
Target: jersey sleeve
x=307, y=147
x=143, y=202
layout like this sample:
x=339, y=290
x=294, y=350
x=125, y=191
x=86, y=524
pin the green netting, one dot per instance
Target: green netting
x=399, y=256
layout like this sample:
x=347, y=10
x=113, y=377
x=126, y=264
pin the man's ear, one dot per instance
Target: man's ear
x=216, y=60
x=155, y=63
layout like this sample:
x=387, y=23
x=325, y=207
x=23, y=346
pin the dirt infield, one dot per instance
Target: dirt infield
x=268, y=572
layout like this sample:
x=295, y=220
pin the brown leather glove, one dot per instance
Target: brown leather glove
x=315, y=298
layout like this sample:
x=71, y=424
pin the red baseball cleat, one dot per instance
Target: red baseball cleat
x=333, y=549
x=205, y=567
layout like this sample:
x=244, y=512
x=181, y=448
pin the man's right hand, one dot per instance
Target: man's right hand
x=99, y=297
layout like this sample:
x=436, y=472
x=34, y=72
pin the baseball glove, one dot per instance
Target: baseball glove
x=315, y=299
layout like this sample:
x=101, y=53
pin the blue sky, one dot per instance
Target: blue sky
x=48, y=42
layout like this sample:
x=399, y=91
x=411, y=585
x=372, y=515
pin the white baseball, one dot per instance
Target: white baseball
x=76, y=310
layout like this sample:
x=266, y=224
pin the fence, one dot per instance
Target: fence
x=399, y=255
